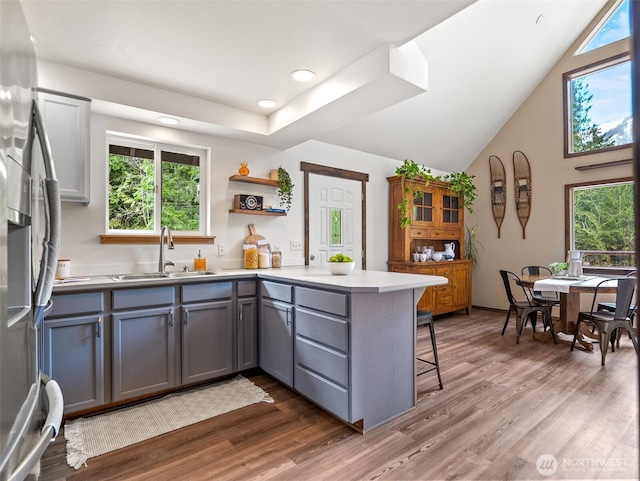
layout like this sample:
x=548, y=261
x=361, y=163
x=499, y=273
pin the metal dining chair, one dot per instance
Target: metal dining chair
x=607, y=322
x=550, y=297
x=611, y=307
x=524, y=308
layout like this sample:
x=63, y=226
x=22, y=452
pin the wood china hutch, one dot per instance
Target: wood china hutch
x=437, y=216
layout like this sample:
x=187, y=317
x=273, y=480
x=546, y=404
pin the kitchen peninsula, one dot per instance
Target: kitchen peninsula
x=347, y=343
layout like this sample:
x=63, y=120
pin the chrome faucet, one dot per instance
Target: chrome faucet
x=162, y=264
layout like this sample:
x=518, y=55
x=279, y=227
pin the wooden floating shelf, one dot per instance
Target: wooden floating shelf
x=254, y=180
x=256, y=212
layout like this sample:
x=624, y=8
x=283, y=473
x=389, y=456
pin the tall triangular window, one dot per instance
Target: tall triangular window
x=615, y=27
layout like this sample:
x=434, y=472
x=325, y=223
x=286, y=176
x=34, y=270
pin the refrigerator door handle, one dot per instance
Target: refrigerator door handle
x=49, y=431
x=51, y=240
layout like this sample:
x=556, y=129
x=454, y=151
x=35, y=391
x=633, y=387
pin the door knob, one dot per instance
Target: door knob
x=312, y=257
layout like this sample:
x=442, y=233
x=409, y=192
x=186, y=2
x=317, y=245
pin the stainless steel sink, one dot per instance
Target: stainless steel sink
x=139, y=277
x=164, y=275
x=196, y=273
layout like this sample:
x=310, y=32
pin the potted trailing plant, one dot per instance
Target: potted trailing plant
x=461, y=183
x=414, y=173
x=285, y=188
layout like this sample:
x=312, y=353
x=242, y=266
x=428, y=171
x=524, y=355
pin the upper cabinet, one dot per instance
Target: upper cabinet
x=66, y=120
x=437, y=216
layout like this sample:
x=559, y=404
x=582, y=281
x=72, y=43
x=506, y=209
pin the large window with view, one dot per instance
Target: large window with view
x=598, y=105
x=600, y=222
x=597, y=97
x=152, y=185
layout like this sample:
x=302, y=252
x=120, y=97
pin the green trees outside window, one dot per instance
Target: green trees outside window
x=603, y=224
x=150, y=187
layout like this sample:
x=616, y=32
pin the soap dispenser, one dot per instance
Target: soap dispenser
x=200, y=263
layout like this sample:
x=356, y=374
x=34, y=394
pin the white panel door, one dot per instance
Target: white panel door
x=335, y=219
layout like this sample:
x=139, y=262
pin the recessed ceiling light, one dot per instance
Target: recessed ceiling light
x=168, y=120
x=33, y=38
x=302, y=75
x=266, y=103
x=540, y=19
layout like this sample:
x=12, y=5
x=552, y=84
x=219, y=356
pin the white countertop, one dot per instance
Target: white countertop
x=357, y=281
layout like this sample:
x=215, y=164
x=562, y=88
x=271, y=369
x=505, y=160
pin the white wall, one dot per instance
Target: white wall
x=82, y=225
x=536, y=130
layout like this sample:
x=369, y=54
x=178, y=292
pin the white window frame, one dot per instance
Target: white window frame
x=157, y=147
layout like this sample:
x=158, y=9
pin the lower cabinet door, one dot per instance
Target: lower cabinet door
x=276, y=341
x=207, y=341
x=247, y=334
x=74, y=358
x=143, y=352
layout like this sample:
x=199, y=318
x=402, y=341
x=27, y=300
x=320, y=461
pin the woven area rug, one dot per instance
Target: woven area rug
x=92, y=436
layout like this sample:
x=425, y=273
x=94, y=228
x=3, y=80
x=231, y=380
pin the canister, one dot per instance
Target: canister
x=250, y=256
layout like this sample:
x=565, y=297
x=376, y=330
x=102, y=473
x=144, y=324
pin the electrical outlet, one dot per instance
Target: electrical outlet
x=295, y=245
x=221, y=250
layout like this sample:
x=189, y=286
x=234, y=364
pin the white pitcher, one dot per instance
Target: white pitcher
x=450, y=250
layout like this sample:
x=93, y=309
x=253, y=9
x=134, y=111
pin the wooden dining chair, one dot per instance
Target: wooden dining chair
x=607, y=322
x=524, y=307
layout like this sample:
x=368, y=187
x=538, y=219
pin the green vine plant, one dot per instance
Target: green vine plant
x=460, y=183
x=285, y=188
x=412, y=171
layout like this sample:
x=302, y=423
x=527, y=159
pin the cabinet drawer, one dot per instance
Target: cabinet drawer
x=246, y=288
x=146, y=297
x=449, y=233
x=445, y=272
x=443, y=289
x=323, y=329
x=70, y=304
x=419, y=232
x=331, y=302
x=443, y=303
x=275, y=290
x=329, y=396
x=322, y=360
x=206, y=292
x=426, y=271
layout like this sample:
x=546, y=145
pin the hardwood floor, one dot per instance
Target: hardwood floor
x=503, y=407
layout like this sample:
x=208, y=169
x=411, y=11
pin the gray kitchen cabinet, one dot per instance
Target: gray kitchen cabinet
x=247, y=325
x=66, y=118
x=143, y=341
x=322, y=349
x=73, y=349
x=276, y=330
x=322, y=360
x=207, y=331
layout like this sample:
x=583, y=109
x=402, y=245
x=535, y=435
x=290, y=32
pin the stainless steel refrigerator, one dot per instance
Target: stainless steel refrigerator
x=30, y=403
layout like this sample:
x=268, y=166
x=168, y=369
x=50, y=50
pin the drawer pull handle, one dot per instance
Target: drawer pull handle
x=99, y=322
x=185, y=318
x=170, y=319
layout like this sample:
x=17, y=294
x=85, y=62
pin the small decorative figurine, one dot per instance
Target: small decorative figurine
x=244, y=170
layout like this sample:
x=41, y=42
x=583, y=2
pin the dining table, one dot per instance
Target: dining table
x=570, y=290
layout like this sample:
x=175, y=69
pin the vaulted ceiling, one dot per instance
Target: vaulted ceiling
x=431, y=80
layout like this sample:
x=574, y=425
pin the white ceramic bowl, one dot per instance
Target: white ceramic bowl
x=436, y=256
x=341, y=268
